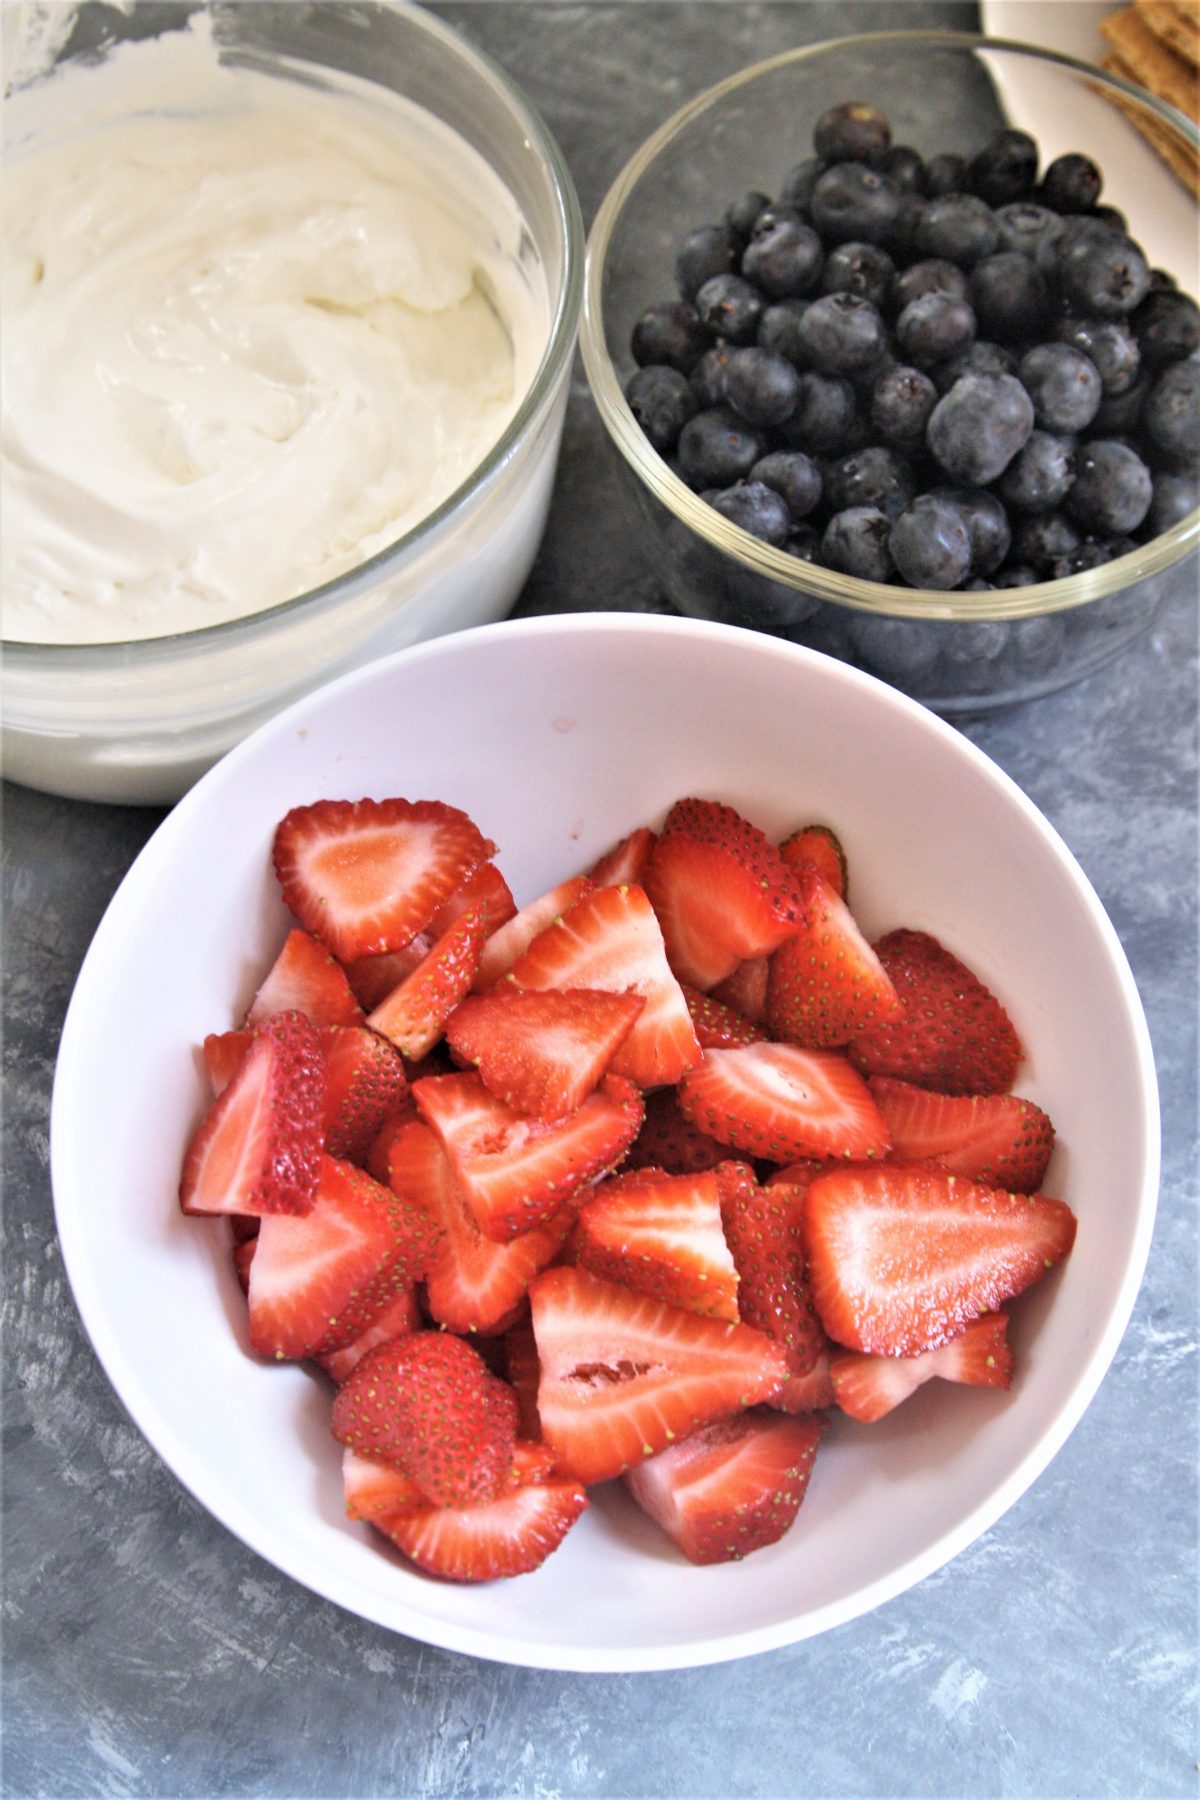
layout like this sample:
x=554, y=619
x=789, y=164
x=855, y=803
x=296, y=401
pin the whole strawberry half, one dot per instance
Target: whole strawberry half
x=779, y=1102
x=364, y=1084
x=901, y=1258
x=953, y=1035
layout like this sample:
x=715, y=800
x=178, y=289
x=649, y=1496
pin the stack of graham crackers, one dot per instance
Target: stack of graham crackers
x=1157, y=43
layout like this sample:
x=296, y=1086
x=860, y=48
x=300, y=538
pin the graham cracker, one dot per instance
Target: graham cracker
x=1148, y=60
x=1176, y=24
x=1177, y=155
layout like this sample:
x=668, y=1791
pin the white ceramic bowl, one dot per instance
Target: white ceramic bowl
x=139, y=721
x=558, y=735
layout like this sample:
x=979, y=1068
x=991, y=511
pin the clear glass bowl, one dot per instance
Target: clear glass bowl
x=139, y=721
x=956, y=652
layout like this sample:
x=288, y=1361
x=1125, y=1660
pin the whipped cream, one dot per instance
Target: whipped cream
x=251, y=331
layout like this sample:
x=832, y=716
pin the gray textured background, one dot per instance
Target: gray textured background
x=146, y=1652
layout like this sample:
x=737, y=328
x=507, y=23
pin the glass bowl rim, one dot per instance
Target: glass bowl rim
x=1160, y=554
x=119, y=653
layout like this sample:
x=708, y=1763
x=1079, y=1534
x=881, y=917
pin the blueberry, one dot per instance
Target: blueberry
x=1099, y=270
x=1071, y=184
x=1170, y=414
x=862, y=269
x=1112, y=489
x=716, y=448
x=1005, y=168
x=794, y=476
x=783, y=258
x=1166, y=327
x=945, y=173
x=1040, y=475
x=906, y=167
x=756, y=508
x=1093, y=553
x=1027, y=227
x=903, y=650
x=662, y=402
x=855, y=542
x=826, y=418
x=873, y=476
x=797, y=185
x=958, y=227
x=851, y=202
x=840, y=332
x=709, y=375
x=987, y=525
x=1039, y=540
x=740, y=218
x=671, y=333
x=1119, y=413
x=730, y=307
x=804, y=543
x=977, y=428
x=901, y=402
x=930, y=543
x=934, y=275
x=934, y=327
x=704, y=252
x=779, y=330
x=1174, y=496
x=1109, y=343
x=761, y=386
x=1063, y=384
x=1015, y=575
x=980, y=358
x=1011, y=296
x=852, y=131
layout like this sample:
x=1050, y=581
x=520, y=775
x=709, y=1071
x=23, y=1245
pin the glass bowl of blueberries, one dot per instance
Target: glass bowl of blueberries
x=888, y=336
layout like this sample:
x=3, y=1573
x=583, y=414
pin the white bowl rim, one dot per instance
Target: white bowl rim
x=164, y=1436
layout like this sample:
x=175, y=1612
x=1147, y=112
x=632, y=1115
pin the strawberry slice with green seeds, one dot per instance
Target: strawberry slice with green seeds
x=510, y=940
x=399, y=1316
x=953, y=1035
x=869, y=1387
x=610, y=939
x=998, y=1138
x=373, y=978
x=305, y=978
x=746, y=989
x=364, y=1084
x=372, y=1489
x=670, y=1142
x=365, y=876
x=511, y=1535
x=762, y=1230
x=717, y=1025
x=625, y=863
x=721, y=891
x=223, y=1053
x=902, y=1258
x=820, y=848
x=542, y=1052
x=826, y=985
x=516, y=1171
x=486, y=891
x=623, y=1375
x=780, y=1103
x=660, y=1235
x=258, y=1147
x=413, y=1015
x=731, y=1487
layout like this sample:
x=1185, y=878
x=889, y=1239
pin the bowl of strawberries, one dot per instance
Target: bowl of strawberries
x=630, y=1143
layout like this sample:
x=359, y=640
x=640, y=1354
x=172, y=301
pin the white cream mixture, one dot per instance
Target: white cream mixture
x=251, y=333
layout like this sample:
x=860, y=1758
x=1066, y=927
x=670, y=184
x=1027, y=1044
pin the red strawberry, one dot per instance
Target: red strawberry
x=997, y=1138
x=746, y=989
x=402, y=1314
x=223, y=1053
x=610, y=939
x=717, y=1025
x=902, y=1258
x=825, y=985
x=413, y=1015
x=424, y=1403
x=626, y=862
x=511, y=1535
x=821, y=848
x=373, y=978
x=258, y=1147
x=364, y=1083
x=669, y=1141
x=523, y=1372
x=762, y=1231
x=660, y=1235
x=867, y=1387
x=623, y=1375
x=731, y=1487
x=473, y=1283
x=721, y=891
x=318, y=1282
x=511, y=939
x=486, y=891
x=541, y=1052
x=954, y=1034
x=378, y=1157
x=305, y=978
x=779, y=1102
x=373, y=1489
x=516, y=1172
x=366, y=876
x=807, y=1393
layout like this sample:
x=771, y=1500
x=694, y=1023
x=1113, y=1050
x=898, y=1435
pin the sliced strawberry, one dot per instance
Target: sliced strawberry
x=516, y=1172
x=669, y=1141
x=825, y=985
x=400, y=1315
x=721, y=891
x=510, y=940
x=746, y=989
x=807, y=1393
x=820, y=847
x=373, y=1489
x=377, y=1161
x=413, y=1015
x=366, y=876
x=373, y=978
x=902, y=1258
x=626, y=862
x=610, y=939
x=623, y=1375
x=997, y=1138
x=731, y=1487
x=486, y=891
x=258, y=1147
x=512, y=1535
x=541, y=1052
x=524, y=1372
x=317, y=1282
x=954, y=1034
x=867, y=1387
x=243, y=1256
x=763, y=1235
x=473, y=1283
x=717, y=1025
x=364, y=1083
x=223, y=1053
x=660, y=1235
x=424, y=1403
x=779, y=1102
x=305, y=978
